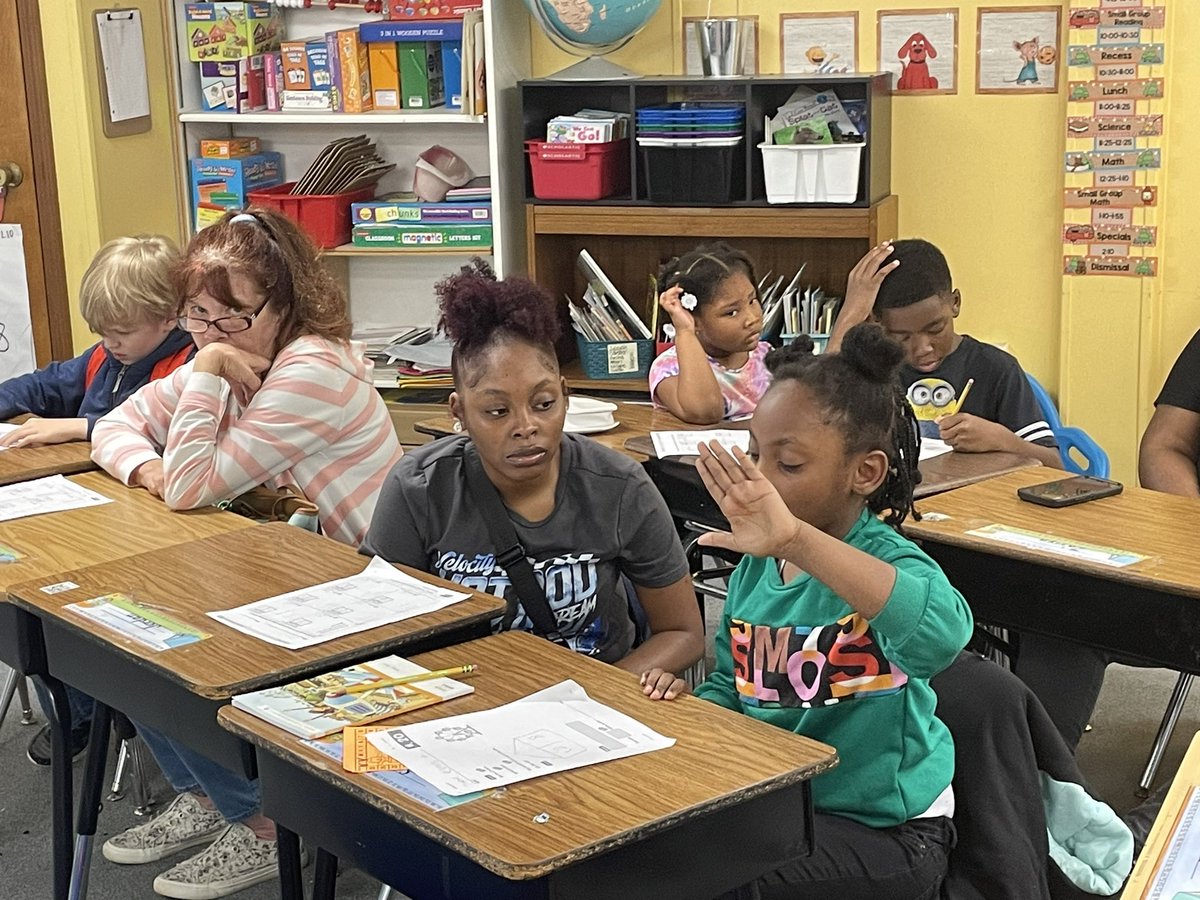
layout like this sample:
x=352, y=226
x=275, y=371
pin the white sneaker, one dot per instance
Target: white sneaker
x=183, y=824
x=234, y=861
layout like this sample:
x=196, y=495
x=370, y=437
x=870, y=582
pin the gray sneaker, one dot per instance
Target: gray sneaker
x=234, y=861
x=183, y=824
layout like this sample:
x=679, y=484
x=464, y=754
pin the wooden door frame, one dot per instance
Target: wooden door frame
x=54, y=309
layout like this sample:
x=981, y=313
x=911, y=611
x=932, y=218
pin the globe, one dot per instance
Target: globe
x=592, y=28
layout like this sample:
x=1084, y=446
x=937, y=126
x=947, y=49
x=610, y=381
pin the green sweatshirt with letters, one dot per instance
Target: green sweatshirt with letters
x=799, y=657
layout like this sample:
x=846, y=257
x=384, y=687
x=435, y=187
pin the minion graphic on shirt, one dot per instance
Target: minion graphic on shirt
x=931, y=399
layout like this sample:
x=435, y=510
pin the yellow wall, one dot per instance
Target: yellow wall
x=981, y=176
x=107, y=186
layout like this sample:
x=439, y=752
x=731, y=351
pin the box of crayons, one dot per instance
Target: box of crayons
x=423, y=237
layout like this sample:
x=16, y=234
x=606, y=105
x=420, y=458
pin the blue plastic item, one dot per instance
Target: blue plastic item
x=1069, y=438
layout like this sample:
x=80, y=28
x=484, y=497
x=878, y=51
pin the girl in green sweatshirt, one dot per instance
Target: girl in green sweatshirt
x=835, y=622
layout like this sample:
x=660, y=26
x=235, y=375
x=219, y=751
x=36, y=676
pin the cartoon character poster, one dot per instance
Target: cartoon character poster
x=920, y=48
x=1019, y=50
x=819, y=43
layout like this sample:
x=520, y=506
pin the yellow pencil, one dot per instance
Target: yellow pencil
x=407, y=679
x=963, y=398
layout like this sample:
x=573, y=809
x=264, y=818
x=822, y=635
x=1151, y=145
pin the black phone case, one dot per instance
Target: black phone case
x=1030, y=494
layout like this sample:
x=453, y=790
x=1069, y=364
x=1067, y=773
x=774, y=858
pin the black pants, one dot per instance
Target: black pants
x=1066, y=677
x=854, y=862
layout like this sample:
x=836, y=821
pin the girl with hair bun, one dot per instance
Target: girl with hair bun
x=835, y=622
x=588, y=518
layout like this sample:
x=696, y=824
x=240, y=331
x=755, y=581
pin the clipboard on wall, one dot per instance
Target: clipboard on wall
x=121, y=72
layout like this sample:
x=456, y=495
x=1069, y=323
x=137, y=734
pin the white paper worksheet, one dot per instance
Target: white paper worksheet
x=931, y=447
x=6, y=429
x=686, y=443
x=379, y=595
x=554, y=730
x=45, y=495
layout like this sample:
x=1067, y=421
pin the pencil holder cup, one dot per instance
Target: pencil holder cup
x=615, y=359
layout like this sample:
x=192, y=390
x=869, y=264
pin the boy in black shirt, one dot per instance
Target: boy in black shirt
x=906, y=286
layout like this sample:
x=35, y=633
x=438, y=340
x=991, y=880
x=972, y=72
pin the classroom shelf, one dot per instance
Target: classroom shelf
x=434, y=116
x=354, y=250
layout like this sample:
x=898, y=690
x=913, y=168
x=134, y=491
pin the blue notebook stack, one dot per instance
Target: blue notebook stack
x=691, y=124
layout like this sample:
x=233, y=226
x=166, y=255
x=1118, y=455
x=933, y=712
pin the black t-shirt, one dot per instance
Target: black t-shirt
x=1182, y=387
x=1000, y=393
x=608, y=520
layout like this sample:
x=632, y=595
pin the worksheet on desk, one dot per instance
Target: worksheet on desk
x=687, y=443
x=554, y=730
x=379, y=595
x=6, y=429
x=45, y=495
x=931, y=447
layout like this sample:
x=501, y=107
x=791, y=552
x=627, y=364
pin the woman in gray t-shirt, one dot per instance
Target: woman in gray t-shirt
x=589, y=518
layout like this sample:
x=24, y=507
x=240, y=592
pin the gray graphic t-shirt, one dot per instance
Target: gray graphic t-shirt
x=609, y=520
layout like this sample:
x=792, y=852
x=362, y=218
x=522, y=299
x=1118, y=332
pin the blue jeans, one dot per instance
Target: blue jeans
x=235, y=797
x=81, y=704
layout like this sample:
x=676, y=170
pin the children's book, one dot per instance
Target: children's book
x=317, y=706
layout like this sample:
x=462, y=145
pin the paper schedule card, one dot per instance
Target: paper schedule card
x=687, y=443
x=1048, y=543
x=149, y=627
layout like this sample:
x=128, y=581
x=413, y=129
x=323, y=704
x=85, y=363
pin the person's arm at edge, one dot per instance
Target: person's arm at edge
x=1170, y=450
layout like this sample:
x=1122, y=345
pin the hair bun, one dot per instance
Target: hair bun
x=870, y=352
x=798, y=352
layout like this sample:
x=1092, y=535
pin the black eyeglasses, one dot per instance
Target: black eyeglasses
x=225, y=324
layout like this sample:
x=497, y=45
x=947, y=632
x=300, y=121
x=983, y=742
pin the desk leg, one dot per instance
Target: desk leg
x=325, y=876
x=60, y=784
x=291, y=886
x=89, y=799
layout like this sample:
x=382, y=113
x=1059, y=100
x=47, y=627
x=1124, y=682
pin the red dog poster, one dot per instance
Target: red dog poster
x=920, y=47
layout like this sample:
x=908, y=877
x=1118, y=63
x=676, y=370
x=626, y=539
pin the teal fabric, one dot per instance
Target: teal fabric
x=1090, y=844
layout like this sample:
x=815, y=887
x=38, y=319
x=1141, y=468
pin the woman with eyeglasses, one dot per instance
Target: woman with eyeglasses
x=276, y=395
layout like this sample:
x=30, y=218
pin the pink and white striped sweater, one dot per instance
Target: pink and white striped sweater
x=316, y=422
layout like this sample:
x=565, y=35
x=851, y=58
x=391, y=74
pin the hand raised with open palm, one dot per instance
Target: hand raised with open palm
x=760, y=522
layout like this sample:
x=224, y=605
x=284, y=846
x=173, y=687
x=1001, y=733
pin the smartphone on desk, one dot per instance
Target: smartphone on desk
x=1069, y=491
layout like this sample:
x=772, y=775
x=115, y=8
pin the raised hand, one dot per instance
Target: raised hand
x=862, y=287
x=760, y=522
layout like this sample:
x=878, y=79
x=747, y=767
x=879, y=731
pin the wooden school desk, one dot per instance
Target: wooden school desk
x=1149, y=610
x=1187, y=778
x=727, y=803
x=54, y=542
x=178, y=691
x=28, y=463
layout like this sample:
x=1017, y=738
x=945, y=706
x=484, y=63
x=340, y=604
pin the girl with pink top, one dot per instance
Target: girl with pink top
x=715, y=371
x=275, y=395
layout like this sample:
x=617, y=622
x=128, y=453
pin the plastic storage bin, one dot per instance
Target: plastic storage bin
x=615, y=359
x=690, y=174
x=564, y=171
x=324, y=217
x=811, y=173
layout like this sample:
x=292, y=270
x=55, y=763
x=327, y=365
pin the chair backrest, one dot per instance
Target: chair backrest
x=1070, y=438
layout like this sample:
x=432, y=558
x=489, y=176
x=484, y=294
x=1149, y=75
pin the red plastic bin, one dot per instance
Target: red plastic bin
x=578, y=171
x=324, y=217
